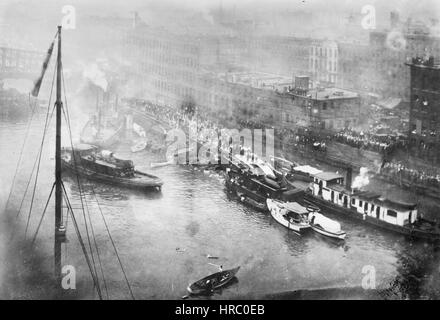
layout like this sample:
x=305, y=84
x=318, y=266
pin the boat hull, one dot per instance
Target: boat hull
x=318, y=229
x=337, y=210
x=141, y=181
x=247, y=196
x=218, y=280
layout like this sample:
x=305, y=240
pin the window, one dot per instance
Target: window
x=360, y=203
x=391, y=213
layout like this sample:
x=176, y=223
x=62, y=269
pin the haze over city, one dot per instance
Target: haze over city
x=270, y=148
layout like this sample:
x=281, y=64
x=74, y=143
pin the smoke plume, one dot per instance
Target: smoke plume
x=362, y=179
x=95, y=75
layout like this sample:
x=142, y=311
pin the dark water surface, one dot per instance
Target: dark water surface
x=164, y=238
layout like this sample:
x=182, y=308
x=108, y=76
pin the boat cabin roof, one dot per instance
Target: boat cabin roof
x=328, y=176
x=106, y=164
x=339, y=188
x=295, y=207
x=366, y=195
x=82, y=147
x=308, y=169
x=378, y=200
x=394, y=205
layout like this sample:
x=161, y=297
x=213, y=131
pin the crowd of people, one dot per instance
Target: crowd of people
x=194, y=123
x=298, y=139
x=198, y=124
x=401, y=173
x=365, y=140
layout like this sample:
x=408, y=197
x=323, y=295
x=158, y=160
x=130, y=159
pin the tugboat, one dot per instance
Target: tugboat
x=329, y=193
x=102, y=165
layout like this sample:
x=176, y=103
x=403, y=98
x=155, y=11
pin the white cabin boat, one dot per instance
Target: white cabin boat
x=292, y=215
x=330, y=194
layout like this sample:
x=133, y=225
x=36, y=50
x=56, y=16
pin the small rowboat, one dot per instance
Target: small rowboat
x=161, y=164
x=139, y=146
x=212, y=282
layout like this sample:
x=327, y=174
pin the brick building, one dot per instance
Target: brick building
x=323, y=108
x=424, y=128
x=378, y=66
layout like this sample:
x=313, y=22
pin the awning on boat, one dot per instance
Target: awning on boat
x=307, y=169
x=328, y=176
x=389, y=103
x=326, y=223
x=394, y=205
x=295, y=207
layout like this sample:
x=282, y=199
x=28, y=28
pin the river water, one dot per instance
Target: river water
x=164, y=238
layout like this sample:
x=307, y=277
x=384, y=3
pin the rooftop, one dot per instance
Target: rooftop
x=328, y=176
x=258, y=80
x=326, y=94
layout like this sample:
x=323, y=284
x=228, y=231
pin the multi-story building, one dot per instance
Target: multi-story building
x=323, y=62
x=320, y=107
x=424, y=128
x=165, y=65
x=378, y=66
x=18, y=62
x=285, y=56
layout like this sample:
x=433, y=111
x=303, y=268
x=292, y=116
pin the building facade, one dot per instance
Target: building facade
x=324, y=61
x=424, y=126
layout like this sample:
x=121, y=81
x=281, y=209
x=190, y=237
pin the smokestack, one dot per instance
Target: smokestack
x=348, y=178
x=135, y=19
x=394, y=19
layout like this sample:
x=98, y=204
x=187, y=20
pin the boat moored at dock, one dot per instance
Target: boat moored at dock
x=329, y=193
x=254, y=182
x=326, y=226
x=292, y=215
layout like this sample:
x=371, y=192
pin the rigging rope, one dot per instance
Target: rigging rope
x=29, y=181
x=113, y=244
x=102, y=215
x=21, y=154
x=83, y=247
x=81, y=194
x=37, y=172
x=42, y=216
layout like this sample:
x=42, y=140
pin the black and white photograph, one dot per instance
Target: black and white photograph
x=202, y=151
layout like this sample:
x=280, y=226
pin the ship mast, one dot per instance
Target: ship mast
x=60, y=230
